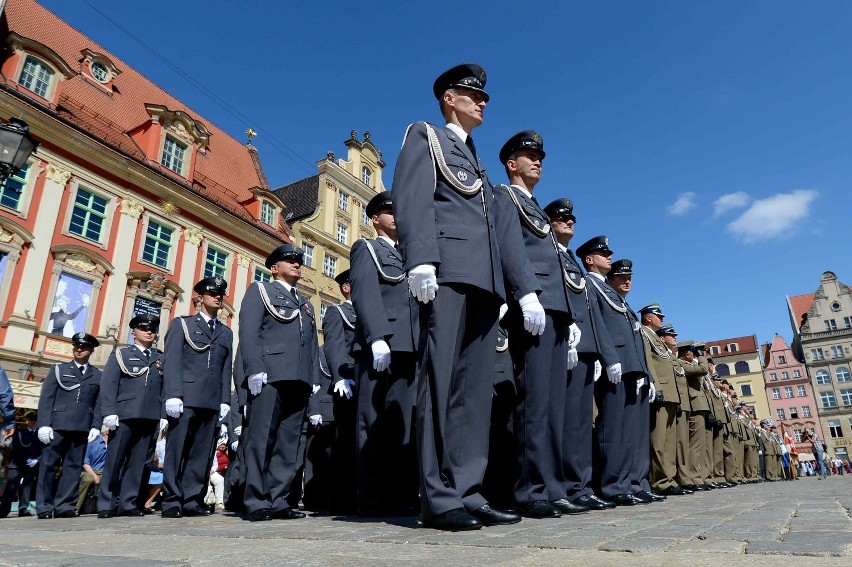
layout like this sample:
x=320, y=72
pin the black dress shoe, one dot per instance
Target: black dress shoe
x=625, y=500
x=197, y=511
x=105, y=514
x=261, y=515
x=25, y=513
x=492, y=517
x=539, y=509
x=654, y=496
x=699, y=488
x=49, y=515
x=604, y=501
x=173, y=512
x=134, y=513
x=570, y=508
x=288, y=514
x=590, y=503
x=676, y=491
x=643, y=497
x=455, y=520
x=66, y=514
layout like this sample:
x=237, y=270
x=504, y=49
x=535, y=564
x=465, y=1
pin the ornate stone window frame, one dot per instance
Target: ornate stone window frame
x=91, y=58
x=153, y=286
x=221, y=247
x=176, y=234
x=25, y=47
x=36, y=167
x=13, y=238
x=112, y=205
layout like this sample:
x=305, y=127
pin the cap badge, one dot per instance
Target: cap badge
x=462, y=175
x=218, y=281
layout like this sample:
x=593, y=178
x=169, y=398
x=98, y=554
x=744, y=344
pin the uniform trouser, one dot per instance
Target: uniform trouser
x=642, y=443
x=752, y=468
x=235, y=475
x=386, y=460
x=454, y=397
x=343, y=450
x=295, y=494
x=541, y=370
x=68, y=448
x=577, y=432
x=86, y=483
x=19, y=482
x=616, y=431
x=501, y=472
x=709, y=473
x=189, y=454
x=761, y=459
x=272, y=443
x=698, y=446
x=318, y=471
x=718, y=456
x=728, y=456
x=130, y=448
x=684, y=473
x=663, y=469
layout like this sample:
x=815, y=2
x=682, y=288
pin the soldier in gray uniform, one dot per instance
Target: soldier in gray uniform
x=280, y=357
x=443, y=201
x=385, y=355
x=132, y=406
x=579, y=399
x=319, y=438
x=68, y=422
x=197, y=364
x=538, y=321
x=338, y=329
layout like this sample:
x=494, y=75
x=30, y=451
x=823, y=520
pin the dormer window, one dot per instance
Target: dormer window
x=267, y=213
x=174, y=155
x=36, y=76
x=99, y=72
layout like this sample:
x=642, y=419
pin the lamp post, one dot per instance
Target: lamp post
x=16, y=146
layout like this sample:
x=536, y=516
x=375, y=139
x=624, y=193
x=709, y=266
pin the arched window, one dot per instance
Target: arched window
x=842, y=374
x=823, y=377
x=723, y=370
x=741, y=367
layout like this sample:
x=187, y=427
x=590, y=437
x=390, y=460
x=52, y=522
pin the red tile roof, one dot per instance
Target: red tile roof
x=799, y=305
x=226, y=174
x=744, y=345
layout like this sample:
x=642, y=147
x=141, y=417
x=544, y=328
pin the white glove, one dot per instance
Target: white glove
x=343, y=388
x=45, y=434
x=234, y=445
x=422, y=282
x=223, y=430
x=759, y=453
x=32, y=462
x=503, y=310
x=223, y=411
x=533, y=314
x=111, y=422
x=94, y=434
x=381, y=355
x=238, y=430
x=164, y=424
x=316, y=420
x=174, y=407
x=573, y=359
x=574, y=334
x=256, y=382
x=652, y=392
x=598, y=371
x=613, y=372
x=315, y=389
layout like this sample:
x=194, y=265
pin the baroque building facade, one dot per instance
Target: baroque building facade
x=738, y=361
x=130, y=198
x=822, y=327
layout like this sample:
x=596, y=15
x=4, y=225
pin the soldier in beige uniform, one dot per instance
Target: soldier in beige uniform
x=698, y=417
x=731, y=437
x=717, y=397
x=682, y=411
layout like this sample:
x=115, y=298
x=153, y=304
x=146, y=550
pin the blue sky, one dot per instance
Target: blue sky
x=710, y=141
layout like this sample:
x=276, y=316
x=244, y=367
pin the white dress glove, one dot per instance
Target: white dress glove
x=45, y=434
x=598, y=370
x=652, y=392
x=574, y=334
x=111, y=422
x=223, y=411
x=256, y=382
x=315, y=389
x=316, y=420
x=174, y=407
x=32, y=462
x=613, y=372
x=343, y=388
x=381, y=355
x=223, y=430
x=164, y=424
x=533, y=314
x=234, y=445
x=238, y=430
x=94, y=434
x=422, y=282
x=573, y=358
x=503, y=310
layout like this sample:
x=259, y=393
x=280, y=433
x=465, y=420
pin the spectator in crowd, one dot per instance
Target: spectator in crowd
x=93, y=466
x=23, y=470
x=155, y=481
x=217, y=474
x=819, y=452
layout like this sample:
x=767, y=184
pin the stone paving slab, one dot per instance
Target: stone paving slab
x=718, y=528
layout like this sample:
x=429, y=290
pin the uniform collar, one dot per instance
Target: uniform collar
x=523, y=190
x=287, y=286
x=597, y=276
x=387, y=240
x=204, y=316
x=458, y=131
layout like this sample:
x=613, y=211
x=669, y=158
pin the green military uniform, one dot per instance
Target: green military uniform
x=684, y=474
x=697, y=421
x=718, y=453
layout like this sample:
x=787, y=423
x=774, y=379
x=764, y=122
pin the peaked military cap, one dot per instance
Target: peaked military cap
x=284, y=252
x=559, y=207
x=85, y=339
x=596, y=244
x=145, y=320
x=379, y=202
x=666, y=330
x=621, y=268
x=652, y=308
x=342, y=277
x=526, y=140
x=468, y=75
x=764, y=422
x=217, y=285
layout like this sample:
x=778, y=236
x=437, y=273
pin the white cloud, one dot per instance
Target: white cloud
x=774, y=216
x=730, y=201
x=684, y=203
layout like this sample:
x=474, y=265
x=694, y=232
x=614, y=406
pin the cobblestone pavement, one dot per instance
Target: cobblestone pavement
x=719, y=528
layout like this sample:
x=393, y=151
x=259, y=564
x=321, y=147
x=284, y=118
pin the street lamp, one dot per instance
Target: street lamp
x=16, y=146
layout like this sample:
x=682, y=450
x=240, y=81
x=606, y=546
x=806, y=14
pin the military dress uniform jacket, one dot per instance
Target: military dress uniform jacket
x=197, y=363
x=283, y=344
x=658, y=358
x=694, y=377
x=68, y=398
x=132, y=385
x=383, y=305
x=443, y=209
x=620, y=327
x=338, y=329
x=587, y=316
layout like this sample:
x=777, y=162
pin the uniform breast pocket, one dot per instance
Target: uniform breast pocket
x=464, y=171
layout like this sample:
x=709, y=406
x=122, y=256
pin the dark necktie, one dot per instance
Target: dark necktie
x=82, y=368
x=470, y=146
x=212, y=324
x=147, y=353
